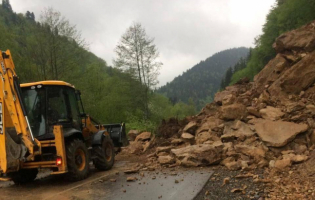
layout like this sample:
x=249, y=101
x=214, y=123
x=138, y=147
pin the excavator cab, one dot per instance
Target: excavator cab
x=49, y=105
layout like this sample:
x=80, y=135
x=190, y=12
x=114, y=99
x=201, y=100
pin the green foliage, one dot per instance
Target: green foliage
x=227, y=79
x=180, y=110
x=135, y=123
x=231, y=73
x=203, y=80
x=160, y=108
x=286, y=15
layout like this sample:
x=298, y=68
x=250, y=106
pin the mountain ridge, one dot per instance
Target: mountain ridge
x=199, y=84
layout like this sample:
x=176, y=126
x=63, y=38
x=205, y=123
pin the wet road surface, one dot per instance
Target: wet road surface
x=182, y=184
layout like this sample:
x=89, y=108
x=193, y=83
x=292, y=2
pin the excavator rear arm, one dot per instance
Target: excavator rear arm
x=17, y=143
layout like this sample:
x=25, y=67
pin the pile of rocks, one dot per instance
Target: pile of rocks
x=265, y=123
x=139, y=142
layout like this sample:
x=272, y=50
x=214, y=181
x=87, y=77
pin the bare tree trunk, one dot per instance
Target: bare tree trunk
x=137, y=53
x=146, y=99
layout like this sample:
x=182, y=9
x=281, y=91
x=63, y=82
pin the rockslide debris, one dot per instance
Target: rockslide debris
x=265, y=123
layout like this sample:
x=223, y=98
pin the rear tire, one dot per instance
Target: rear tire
x=77, y=160
x=24, y=176
x=105, y=154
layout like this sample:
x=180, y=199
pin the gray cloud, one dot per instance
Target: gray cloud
x=185, y=31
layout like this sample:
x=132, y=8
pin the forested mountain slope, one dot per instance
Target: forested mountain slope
x=49, y=47
x=45, y=51
x=202, y=81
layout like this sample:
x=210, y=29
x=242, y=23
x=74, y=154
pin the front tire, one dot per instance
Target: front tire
x=104, y=154
x=77, y=160
x=24, y=176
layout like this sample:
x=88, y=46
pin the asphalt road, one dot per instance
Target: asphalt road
x=182, y=184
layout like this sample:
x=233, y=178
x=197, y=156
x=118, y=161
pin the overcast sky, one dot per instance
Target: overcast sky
x=185, y=31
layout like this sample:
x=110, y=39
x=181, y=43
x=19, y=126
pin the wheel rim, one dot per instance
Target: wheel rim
x=108, y=151
x=80, y=159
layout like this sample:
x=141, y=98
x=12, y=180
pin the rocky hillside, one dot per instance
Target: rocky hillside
x=203, y=80
x=268, y=123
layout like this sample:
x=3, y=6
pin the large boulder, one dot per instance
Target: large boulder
x=302, y=39
x=258, y=153
x=297, y=78
x=228, y=99
x=148, y=144
x=294, y=106
x=135, y=147
x=143, y=136
x=190, y=127
x=204, y=154
x=190, y=161
x=209, y=110
x=236, y=129
x=232, y=112
x=221, y=97
x=270, y=73
x=277, y=133
x=206, y=136
x=218, y=97
x=208, y=124
x=253, y=111
x=271, y=113
x=166, y=160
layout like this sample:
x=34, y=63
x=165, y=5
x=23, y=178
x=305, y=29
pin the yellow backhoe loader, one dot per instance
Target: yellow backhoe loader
x=43, y=125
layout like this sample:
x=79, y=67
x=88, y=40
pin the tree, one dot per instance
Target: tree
x=6, y=5
x=228, y=75
x=138, y=56
x=30, y=15
x=56, y=42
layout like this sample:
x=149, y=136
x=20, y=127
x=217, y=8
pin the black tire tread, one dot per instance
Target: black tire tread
x=100, y=161
x=73, y=174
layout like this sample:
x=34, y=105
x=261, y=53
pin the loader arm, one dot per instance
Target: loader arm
x=13, y=120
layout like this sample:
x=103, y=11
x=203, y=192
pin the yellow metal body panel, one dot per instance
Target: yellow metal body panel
x=50, y=82
x=39, y=164
x=11, y=116
x=60, y=148
x=90, y=128
x=5, y=179
x=59, y=144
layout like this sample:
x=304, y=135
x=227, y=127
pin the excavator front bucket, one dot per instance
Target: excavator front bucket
x=117, y=133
